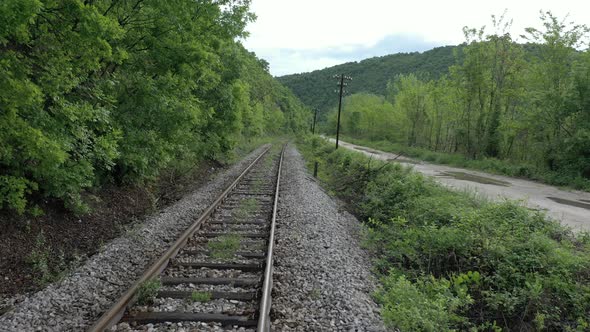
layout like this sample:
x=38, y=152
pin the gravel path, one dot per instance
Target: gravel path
x=322, y=278
x=74, y=303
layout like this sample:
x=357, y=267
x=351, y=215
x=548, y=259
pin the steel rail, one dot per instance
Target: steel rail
x=114, y=315
x=266, y=299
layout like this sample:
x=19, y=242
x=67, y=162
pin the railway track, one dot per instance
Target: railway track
x=218, y=274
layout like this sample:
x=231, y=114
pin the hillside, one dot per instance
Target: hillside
x=316, y=89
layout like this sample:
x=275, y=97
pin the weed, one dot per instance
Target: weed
x=197, y=296
x=315, y=294
x=451, y=261
x=224, y=247
x=50, y=269
x=133, y=230
x=247, y=208
x=268, y=162
x=39, y=259
x=257, y=185
x=147, y=291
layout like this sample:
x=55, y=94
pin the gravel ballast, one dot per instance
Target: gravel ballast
x=322, y=278
x=79, y=299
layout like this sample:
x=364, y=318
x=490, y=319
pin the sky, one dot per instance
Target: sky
x=297, y=36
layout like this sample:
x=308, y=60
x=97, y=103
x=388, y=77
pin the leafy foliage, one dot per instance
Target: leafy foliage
x=526, y=105
x=116, y=91
x=427, y=304
x=147, y=291
x=450, y=261
x=316, y=89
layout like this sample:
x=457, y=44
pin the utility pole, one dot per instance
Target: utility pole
x=341, y=85
x=315, y=116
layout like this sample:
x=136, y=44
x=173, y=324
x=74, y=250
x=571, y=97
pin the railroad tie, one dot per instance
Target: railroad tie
x=177, y=317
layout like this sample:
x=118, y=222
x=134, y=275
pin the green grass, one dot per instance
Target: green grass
x=257, y=185
x=449, y=261
x=197, y=296
x=246, y=209
x=490, y=165
x=224, y=247
x=48, y=266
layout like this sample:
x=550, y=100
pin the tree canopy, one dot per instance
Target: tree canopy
x=316, y=89
x=527, y=104
x=100, y=91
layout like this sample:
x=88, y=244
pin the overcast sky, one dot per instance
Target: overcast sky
x=303, y=35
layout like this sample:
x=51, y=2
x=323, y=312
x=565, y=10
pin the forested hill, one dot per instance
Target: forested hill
x=316, y=89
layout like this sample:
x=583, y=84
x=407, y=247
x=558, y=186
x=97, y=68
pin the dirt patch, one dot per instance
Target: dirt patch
x=475, y=178
x=35, y=251
x=570, y=203
x=585, y=200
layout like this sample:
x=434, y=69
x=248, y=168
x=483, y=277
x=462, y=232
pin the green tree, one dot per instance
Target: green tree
x=552, y=84
x=116, y=91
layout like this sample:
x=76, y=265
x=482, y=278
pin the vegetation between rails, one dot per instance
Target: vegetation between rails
x=199, y=296
x=449, y=261
x=225, y=246
x=147, y=291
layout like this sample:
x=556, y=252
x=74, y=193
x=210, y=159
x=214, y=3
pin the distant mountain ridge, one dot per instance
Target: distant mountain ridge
x=316, y=88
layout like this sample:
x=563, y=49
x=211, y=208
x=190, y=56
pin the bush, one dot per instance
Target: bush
x=427, y=304
x=13, y=191
x=532, y=273
x=95, y=92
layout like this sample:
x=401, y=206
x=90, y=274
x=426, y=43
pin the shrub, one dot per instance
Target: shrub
x=429, y=243
x=426, y=304
x=147, y=291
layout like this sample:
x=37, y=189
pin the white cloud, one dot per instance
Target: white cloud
x=314, y=26
x=287, y=60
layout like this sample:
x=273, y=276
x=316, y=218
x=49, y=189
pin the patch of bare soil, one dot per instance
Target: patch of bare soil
x=37, y=250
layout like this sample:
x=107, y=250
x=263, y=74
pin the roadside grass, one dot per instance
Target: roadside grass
x=490, y=165
x=450, y=261
x=48, y=266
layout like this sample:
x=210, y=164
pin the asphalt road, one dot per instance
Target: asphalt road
x=571, y=208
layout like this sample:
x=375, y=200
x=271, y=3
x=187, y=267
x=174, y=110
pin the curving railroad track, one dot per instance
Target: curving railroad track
x=218, y=274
